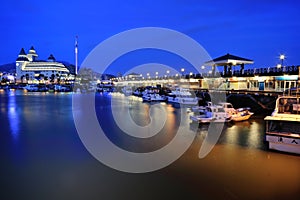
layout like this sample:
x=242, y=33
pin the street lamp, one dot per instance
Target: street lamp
x=168, y=71
x=282, y=57
x=182, y=71
x=278, y=66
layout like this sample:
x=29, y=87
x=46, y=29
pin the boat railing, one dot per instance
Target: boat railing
x=288, y=105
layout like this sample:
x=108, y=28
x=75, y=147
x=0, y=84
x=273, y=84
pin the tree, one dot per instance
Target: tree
x=52, y=78
x=22, y=78
x=27, y=77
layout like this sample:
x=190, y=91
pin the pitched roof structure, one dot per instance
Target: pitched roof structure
x=51, y=57
x=229, y=59
x=22, y=52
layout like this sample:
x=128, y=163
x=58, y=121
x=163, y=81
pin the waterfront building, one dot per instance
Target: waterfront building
x=31, y=70
x=227, y=72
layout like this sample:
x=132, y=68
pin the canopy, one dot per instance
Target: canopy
x=228, y=59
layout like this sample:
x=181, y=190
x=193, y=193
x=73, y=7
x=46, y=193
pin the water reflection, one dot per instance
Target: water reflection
x=248, y=134
x=13, y=117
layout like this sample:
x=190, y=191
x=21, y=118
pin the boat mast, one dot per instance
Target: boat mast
x=76, y=54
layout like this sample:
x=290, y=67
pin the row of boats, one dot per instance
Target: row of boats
x=206, y=113
x=47, y=88
x=282, y=132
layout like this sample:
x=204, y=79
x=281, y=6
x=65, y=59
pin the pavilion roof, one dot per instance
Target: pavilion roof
x=229, y=59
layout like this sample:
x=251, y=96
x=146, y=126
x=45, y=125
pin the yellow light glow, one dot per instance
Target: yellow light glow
x=278, y=66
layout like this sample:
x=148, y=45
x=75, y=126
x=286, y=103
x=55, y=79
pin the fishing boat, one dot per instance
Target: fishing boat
x=228, y=107
x=149, y=97
x=241, y=114
x=127, y=90
x=283, y=126
x=211, y=114
x=182, y=96
x=153, y=94
x=32, y=88
x=237, y=115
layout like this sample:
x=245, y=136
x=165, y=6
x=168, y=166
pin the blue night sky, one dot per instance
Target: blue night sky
x=254, y=29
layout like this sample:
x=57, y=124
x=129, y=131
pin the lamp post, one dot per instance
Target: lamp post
x=282, y=57
x=182, y=71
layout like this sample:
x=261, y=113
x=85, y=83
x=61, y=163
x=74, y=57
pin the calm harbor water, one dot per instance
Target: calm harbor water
x=42, y=156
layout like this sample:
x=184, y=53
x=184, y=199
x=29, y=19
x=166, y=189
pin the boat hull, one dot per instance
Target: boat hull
x=241, y=118
x=204, y=120
x=282, y=143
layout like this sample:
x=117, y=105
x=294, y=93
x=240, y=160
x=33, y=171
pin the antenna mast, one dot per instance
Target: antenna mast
x=76, y=55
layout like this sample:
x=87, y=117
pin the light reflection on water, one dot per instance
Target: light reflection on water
x=13, y=116
x=248, y=133
x=49, y=151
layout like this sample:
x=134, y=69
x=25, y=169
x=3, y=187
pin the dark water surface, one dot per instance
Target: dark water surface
x=42, y=156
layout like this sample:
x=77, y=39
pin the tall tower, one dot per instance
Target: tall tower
x=76, y=54
x=32, y=55
x=21, y=62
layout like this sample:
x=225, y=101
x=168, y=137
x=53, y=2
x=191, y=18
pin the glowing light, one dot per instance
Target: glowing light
x=278, y=66
x=13, y=117
x=10, y=77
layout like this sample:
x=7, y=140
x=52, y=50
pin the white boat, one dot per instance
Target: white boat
x=240, y=114
x=31, y=88
x=211, y=114
x=182, y=96
x=201, y=108
x=153, y=97
x=283, y=126
x=127, y=90
x=228, y=107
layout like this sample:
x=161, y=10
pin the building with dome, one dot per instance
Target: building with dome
x=31, y=70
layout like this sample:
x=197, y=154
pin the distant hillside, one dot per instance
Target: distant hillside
x=70, y=67
x=10, y=68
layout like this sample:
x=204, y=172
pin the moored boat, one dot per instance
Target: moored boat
x=211, y=114
x=32, y=88
x=283, y=126
x=241, y=115
x=149, y=97
x=182, y=96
